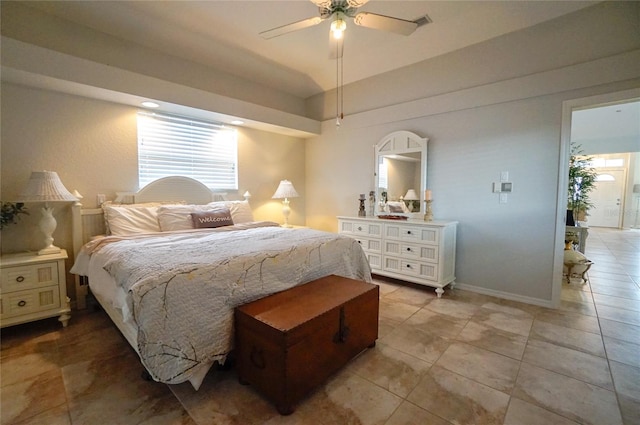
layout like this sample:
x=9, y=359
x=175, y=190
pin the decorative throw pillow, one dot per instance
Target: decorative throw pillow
x=215, y=218
x=240, y=210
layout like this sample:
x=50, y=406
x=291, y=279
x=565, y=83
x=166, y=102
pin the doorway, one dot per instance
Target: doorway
x=631, y=96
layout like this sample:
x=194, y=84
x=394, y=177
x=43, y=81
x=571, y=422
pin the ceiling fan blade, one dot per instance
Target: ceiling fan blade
x=305, y=23
x=325, y=4
x=385, y=23
x=356, y=3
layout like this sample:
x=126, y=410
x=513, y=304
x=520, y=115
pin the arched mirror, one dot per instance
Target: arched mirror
x=401, y=174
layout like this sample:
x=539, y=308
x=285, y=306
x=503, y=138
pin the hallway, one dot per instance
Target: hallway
x=613, y=296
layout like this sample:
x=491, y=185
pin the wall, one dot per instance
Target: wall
x=480, y=124
x=92, y=145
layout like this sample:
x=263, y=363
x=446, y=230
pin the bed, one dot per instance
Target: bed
x=171, y=286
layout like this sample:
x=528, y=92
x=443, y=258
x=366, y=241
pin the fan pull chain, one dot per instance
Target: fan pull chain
x=338, y=112
x=339, y=87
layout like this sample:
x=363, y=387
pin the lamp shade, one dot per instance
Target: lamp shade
x=45, y=186
x=411, y=195
x=285, y=190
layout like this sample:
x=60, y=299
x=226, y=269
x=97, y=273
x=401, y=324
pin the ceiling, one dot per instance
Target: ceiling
x=225, y=34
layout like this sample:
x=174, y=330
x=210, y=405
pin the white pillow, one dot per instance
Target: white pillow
x=240, y=210
x=127, y=219
x=178, y=217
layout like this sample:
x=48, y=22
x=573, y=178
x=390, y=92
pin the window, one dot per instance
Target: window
x=170, y=145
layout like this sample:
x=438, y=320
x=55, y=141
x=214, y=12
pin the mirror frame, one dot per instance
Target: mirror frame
x=402, y=142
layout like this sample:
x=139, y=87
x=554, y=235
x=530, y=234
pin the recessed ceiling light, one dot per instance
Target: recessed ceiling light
x=150, y=105
x=237, y=122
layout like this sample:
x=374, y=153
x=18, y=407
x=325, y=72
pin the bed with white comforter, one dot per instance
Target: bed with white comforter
x=177, y=290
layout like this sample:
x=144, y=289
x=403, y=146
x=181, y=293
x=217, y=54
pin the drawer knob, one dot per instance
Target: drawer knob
x=409, y=249
x=408, y=266
x=360, y=242
x=408, y=232
x=360, y=228
x=22, y=303
x=20, y=279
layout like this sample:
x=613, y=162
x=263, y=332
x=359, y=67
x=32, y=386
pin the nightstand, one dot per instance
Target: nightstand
x=33, y=287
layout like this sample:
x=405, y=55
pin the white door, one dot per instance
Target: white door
x=607, y=199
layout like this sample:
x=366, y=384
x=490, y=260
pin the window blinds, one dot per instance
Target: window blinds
x=170, y=145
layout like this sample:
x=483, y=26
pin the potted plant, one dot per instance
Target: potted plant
x=10, y=212
x=582, y=180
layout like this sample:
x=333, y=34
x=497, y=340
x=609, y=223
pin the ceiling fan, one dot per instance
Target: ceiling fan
x=338, y=10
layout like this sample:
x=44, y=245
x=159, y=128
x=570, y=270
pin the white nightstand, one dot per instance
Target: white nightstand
x=33, y=287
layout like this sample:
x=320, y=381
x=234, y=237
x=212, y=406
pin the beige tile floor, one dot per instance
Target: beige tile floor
x=462, y=359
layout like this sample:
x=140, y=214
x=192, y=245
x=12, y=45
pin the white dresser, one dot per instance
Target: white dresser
x=33, y=287
x=413, y=250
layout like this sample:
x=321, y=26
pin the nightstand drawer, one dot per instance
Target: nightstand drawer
x=31, y=301
x=29, y=276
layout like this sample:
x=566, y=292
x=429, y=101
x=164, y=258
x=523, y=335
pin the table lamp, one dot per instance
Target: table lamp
x=285, y=191
x=45, y=186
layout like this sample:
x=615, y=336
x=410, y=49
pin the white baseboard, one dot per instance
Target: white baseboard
x=505, y=295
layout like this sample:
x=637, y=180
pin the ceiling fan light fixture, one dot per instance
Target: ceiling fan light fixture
x=338, y=26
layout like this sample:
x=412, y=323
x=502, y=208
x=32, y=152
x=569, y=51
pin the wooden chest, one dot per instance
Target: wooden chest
x=290, y=342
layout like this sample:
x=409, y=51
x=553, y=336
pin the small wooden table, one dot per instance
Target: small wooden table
x=290, y=342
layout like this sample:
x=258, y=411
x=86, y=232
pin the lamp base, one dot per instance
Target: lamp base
x=49, y=250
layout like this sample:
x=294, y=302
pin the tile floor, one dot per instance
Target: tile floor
x=462, y=359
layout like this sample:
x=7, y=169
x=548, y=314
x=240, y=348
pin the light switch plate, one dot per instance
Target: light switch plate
x=503, y=198
x=504, y=176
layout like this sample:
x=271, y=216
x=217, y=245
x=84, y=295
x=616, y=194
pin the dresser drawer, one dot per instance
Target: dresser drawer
x=370, y=245
x=23, y=277
x=30, y=301
x=406, y=267
x=416, y=234
x=409, y=251
x=360, y=228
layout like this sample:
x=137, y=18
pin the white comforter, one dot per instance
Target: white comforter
x=184, y=286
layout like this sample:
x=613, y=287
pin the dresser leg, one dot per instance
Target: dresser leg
x=439, y=291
